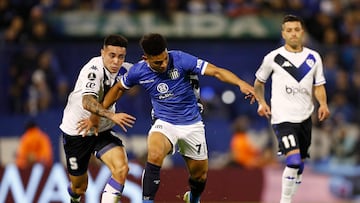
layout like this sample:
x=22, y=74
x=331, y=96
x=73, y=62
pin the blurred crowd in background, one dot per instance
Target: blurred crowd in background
x=36, y=81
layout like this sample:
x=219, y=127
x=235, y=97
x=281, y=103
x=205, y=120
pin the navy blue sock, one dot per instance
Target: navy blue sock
x=197, y=187
x=73, y=195
x=151, y=181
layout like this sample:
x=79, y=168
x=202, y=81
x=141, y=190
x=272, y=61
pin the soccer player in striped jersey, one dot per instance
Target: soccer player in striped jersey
x=297, y=74
x=95, y=79
x=165, y=75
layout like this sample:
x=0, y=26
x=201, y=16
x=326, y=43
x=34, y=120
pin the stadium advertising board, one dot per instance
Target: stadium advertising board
x=182, y=25
x=49, y=185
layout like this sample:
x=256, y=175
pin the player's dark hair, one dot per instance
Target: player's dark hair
x=116, y=40
x=293, y=18
x=153, y=44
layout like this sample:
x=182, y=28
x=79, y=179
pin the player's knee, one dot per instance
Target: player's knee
x=293, y=161
x=155, y=157
x=199, y=175
x=79, y=189
x=120, y=172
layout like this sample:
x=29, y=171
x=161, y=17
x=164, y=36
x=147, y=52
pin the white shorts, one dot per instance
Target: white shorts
x=190, y=139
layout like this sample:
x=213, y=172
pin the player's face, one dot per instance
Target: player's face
x=113, y=57
x=159, y=62
x=293, y=34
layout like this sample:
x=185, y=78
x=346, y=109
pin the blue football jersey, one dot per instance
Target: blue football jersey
x=171, y=93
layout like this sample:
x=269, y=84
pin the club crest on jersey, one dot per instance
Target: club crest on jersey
x=174, y=74
x=310, y=62
x=162, y=88
x=91, y=76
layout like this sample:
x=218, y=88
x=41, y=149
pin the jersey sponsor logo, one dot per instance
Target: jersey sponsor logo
x=158, y=126
x=146, y=81
x=90, y=85
x=92, y=76
x=174, y=74
x=296, y=90
x=162, y=88
x=166, y=95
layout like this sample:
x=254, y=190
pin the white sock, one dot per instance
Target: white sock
x=297, y=184
x=288, y=184
x=112, y=192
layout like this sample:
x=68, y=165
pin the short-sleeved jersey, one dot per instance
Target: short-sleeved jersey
x=293, y=78
x=171, y=93
x=94, y=79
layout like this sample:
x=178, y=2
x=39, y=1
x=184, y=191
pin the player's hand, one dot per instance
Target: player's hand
x=264, y=110
x=251, y=97
x=249, y=92
x=323, y=112
x=123, y=120
x=85, y=125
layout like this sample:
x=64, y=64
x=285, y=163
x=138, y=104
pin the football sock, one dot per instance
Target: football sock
x=288, y=184
x=150, y=181
x=197, y=187
x=112, y=191
x=297, y=184
x=298, y=178
x=75, y=197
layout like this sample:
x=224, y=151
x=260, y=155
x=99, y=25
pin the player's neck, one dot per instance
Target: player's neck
x=293, y=49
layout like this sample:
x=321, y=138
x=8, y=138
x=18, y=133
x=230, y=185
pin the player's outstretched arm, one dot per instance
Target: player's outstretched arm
x=227, y=76
x=113, y=95
x=122, y=119
x=90, y=103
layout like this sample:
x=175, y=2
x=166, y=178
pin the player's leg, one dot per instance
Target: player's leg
x=159, y=147
x=198, y=174
x=293, y=162
x=77, y=151
x=298, y=179
x=111, y=151
x=160, y=142
x=193, y=147
x=116, y=160
x=77, y=187
x=287, y=134
x=304, y=138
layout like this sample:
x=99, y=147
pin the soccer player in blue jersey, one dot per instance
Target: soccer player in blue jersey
x=297, y=74
x=165, y=75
